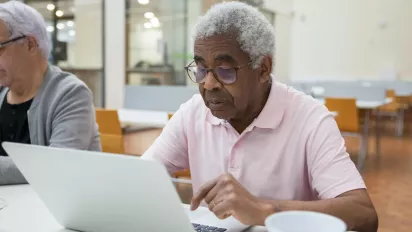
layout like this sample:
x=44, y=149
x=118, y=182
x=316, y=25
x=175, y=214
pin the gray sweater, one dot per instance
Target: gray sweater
x=61, y=115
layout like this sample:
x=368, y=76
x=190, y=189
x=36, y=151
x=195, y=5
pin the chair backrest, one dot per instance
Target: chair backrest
x=390, y=93
x=111, y=136
x=347, y=118
x=112, y=143
x=392, y=106
x=108, y=121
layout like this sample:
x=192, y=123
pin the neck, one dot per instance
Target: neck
x=252, y=112
x=27, y=89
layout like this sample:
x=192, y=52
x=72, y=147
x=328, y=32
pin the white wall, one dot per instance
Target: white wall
x=88, y=42
x=351, y=39
x=115, y=56
x=283, y=26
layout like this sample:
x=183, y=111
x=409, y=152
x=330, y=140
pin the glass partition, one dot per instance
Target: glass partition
x=157, y=42
x=75, y=32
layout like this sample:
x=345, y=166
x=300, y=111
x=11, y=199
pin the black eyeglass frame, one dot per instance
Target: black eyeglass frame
x=4, y=44
x=193, y=64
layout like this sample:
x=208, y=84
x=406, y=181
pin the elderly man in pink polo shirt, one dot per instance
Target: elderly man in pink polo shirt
x=255, y=146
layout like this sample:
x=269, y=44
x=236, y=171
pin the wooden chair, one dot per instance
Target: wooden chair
x=108, y=121
x=184, y=173
x=348, y=122
x=394, y=109
x=112, y=143
x=111, y=135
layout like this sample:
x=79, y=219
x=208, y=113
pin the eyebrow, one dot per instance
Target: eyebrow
x=222, y=57
x=225, y=57
x=198, y=58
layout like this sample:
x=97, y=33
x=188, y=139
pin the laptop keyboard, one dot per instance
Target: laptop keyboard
x=203, y=228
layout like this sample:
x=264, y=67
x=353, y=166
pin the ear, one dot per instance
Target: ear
x=265, y=69
x=32, y=44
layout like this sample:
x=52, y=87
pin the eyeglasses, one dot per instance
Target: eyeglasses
x=225, y=75
x=4, y=44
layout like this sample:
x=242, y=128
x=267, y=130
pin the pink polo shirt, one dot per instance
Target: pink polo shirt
x=292, y=151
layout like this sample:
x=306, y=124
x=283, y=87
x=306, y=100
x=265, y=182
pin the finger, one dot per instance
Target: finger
x=218, y=199
x=202, y=193
x=212, y=194
x=223, y=209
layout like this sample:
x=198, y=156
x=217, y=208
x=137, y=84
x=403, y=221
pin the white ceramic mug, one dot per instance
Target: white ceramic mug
x=304, y=221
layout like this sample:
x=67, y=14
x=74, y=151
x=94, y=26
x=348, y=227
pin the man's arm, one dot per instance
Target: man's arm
x=227, y=197
x=333, y=176
x=9, y=174
x=171, y=148
x=336, y=179
x=74, y=120
x=354, y=208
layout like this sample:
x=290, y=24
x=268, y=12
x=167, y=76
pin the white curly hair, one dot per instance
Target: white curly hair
x=253, y=31
x=22, y=19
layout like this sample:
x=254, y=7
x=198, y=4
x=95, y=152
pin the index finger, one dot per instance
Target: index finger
x=202, y=193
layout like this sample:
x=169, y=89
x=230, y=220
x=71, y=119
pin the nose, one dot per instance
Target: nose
x=211, y=83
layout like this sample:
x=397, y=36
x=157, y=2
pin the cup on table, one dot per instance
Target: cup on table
x=303, y=221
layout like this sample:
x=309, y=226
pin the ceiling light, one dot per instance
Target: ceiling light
x=50, y=28
x=143, y=2
x=147, y=25
x=70, y=23
x=50, y=7
x=72, y=32
x=59, y=13
x=148, y=15
x=155, y=22
x=60, y=26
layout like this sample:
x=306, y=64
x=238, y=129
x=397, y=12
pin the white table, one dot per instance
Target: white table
x=25, y=212
x=143, y=118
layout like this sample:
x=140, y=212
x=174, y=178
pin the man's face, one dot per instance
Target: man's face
x=226, y=101
x=13, y=58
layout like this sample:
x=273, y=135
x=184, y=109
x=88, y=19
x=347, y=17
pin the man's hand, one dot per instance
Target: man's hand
x=226, y=197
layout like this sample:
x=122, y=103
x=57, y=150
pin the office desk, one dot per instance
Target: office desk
x=25, y=212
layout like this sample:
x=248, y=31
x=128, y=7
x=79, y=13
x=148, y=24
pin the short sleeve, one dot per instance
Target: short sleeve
x=331, y=170
x=170, y=148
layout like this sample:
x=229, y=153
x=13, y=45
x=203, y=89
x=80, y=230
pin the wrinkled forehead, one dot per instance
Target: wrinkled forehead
x=219, y=47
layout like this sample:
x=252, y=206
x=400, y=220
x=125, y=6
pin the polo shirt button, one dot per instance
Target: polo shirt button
x=11, y=136
x=13, y=112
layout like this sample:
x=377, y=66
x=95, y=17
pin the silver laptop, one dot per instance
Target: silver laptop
x=100, y=192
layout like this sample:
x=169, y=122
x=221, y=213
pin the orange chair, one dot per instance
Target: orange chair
x=111, y=135
x=348, y=122
x=394, y=109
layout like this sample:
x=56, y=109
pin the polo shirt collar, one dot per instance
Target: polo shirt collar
x=272, y=113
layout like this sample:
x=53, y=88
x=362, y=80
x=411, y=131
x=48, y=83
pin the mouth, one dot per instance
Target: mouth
x=216, y=104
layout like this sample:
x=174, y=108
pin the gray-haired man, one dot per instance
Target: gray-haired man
x=39, y=103
x=255, y=146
